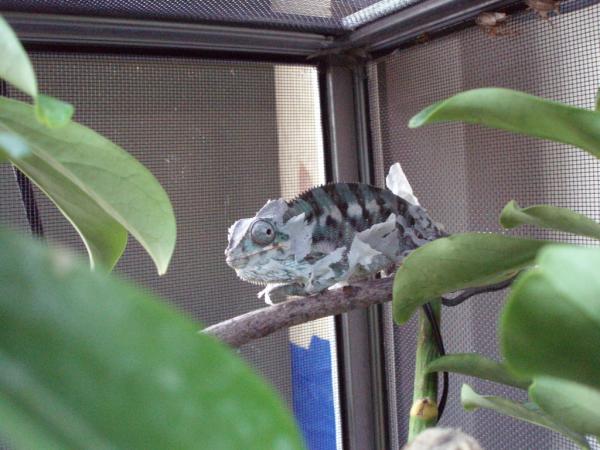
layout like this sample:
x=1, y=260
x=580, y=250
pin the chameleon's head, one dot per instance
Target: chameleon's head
x=264, y=249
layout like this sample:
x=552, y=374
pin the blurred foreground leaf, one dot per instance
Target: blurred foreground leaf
x=90, y=362
x=15, y=66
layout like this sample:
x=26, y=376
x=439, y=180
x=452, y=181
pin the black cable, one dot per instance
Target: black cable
x=439, y=342
x=468, y=293
x=29, y=203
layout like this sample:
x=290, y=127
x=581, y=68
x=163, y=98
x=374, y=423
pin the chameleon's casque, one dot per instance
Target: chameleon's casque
x=330, y=234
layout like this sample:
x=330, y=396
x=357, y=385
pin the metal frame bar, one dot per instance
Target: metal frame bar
x=118, y=33
x=374, y=313
x=378, y=36
x=429, y=16
x=363, y=403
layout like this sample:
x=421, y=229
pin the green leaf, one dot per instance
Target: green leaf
x=475, y=365
x=12, y=146
x=551, y=217
x=527, y=412
x=551, y=322
x=458, y=262
x=87, y=361
x=96, y=184
x=52, y=112
x=572, y=404
x=104, y=238
x=520, y=113
x=15, y=66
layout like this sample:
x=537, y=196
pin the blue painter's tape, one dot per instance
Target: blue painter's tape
x=312, y=393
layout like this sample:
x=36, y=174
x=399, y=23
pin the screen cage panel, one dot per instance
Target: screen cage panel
x=222, y=137
x=465, y=174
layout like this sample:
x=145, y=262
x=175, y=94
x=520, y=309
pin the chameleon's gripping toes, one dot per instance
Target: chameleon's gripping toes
x=330, y=234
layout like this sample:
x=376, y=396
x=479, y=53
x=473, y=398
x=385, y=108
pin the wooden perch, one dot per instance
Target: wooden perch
x=262, y=322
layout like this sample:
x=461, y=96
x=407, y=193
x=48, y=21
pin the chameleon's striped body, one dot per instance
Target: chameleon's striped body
x=329, y=234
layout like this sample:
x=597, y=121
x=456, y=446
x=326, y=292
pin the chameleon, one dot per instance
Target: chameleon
x=333, y=234
x=329, y=235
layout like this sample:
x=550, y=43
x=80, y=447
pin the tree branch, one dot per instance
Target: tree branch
x=262, y=322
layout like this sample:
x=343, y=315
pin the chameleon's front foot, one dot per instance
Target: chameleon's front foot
x=277, y=293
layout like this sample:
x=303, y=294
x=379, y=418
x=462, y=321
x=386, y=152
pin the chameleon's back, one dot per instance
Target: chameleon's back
x=343, y=209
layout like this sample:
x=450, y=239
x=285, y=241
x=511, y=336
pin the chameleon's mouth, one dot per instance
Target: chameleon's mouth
x=236, y=263
x=241, y=261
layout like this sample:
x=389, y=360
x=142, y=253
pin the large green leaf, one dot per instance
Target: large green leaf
x=570, y=403
x=552, y=217
x=84, y=174
x=458, y=262
x=527, y=412
x=104, y=238
x=87, y=361
x=551, y=322
x=475, y=365
x=520, y=113
x=15, y=66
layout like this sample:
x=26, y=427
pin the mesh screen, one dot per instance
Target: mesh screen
x=325, y=16
x=222, y=137
x=464, y=174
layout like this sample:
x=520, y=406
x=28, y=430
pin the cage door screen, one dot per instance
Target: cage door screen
x=464, y=175
x=222, y=137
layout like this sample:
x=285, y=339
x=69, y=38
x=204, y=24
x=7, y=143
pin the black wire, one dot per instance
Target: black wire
x=29, y=203
x=468, y=293
x=437, y=336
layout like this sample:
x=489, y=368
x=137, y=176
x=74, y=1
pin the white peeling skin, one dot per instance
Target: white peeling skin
x=397, y=182
x=237, y=231
x=300, y=236
x=273, y=209
x=361, y=254
x=383, y=237
x=322, y=275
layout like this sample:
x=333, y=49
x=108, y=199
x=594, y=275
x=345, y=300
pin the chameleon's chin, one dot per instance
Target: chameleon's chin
x=245, y=276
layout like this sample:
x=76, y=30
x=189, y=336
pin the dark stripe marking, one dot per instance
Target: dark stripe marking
x=312, y=201
x=331, y=222
x=337, y=198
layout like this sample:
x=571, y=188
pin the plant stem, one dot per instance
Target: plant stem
x=424, y=413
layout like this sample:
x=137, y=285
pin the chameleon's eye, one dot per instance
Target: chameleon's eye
x=262, y=232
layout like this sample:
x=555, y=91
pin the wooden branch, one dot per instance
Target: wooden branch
x=262, y=322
